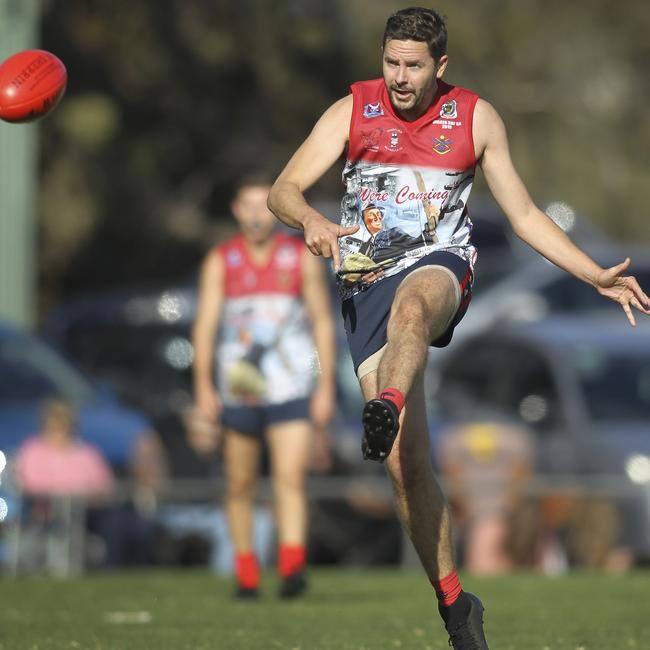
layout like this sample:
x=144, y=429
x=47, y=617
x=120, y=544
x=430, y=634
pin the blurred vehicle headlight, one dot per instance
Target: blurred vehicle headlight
x=637, y=467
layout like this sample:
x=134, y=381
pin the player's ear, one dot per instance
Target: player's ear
x=235, y=208
x=441, y=66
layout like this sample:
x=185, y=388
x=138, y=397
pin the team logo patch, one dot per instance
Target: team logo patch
x=442, y=144
x=234, y=258
x=448, y=110
x=373, y=110
x=393, y=143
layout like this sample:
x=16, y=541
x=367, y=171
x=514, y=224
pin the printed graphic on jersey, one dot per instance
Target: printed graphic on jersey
x=265, y=353
x=373, y=110
x=403, y=213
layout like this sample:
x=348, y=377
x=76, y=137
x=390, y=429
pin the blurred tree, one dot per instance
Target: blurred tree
x=169, y=101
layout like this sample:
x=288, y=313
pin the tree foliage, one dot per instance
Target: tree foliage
x=169, y=101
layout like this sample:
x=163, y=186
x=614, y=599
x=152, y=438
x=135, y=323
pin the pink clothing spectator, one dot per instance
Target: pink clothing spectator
x=77, y=468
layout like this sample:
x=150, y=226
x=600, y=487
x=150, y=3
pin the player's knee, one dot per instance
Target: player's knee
x=240, y=487
x=292, y=481
x=408, y=311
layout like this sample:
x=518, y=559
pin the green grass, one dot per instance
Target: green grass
x=345, y=610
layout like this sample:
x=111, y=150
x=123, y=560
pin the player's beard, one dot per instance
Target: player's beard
x=407, y=103
x=417, y=102
x=259, y=233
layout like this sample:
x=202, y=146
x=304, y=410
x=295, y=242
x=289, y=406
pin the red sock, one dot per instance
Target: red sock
x=291, y=559
x=247, y=570
x=395, y=396
x=448, y=589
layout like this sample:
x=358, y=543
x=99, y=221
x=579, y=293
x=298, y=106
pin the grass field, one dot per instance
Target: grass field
x=345, y=610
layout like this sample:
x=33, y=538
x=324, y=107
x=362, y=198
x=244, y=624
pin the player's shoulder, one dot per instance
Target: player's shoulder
x=335, y=121
x=223, y=254
x=488, y=127
x=484, y=112
x=341, y=108
x=235, y=241
x=369, y=85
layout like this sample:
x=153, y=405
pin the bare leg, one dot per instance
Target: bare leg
x=289, y=444
x=423, y=306
x=241, y=460
x=420, y=503
x=422, y=309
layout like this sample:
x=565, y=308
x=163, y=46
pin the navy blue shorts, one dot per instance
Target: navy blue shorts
x=365, y=315
x=255, y=420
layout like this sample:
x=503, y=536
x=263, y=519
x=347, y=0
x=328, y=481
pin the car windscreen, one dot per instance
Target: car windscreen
x=29, y=370
x=147, y=365
x=616, y=384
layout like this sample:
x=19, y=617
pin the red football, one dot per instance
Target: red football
x=31, y=84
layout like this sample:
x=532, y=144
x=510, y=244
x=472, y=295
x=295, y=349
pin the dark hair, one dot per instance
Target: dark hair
x=255, y=178
x=418, y=24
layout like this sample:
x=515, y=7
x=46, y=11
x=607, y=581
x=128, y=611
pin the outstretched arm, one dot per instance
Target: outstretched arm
x=314, y=157
x=535, y=227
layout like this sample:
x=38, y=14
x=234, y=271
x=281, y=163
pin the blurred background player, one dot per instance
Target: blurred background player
x=264, y=329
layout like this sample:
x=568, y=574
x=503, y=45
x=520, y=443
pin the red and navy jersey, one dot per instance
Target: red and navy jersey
x=282, y=274
x=265, y=351
x=408, y=182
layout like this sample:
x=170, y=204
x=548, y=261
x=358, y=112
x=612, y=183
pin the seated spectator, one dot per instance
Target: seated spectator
x=56, y=462
x=484, y=465
x=50, y=466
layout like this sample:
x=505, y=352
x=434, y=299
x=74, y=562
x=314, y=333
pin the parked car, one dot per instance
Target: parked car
x=539, y=289
x=501, y=253
x=581, y=385
x=136, y=341
x=32, y=371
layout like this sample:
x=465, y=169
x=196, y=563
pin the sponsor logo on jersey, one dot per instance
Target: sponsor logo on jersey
x=370, y=139
x=442, y=144
x=373, y=110
x=286, y=257
x=393, y=142
x=447, y=124
x=449, y=110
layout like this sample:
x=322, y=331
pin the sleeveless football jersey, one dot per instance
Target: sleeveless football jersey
x=407, y=182
x=265, y=352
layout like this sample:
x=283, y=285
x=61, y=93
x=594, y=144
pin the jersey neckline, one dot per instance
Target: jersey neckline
x=443, y=89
